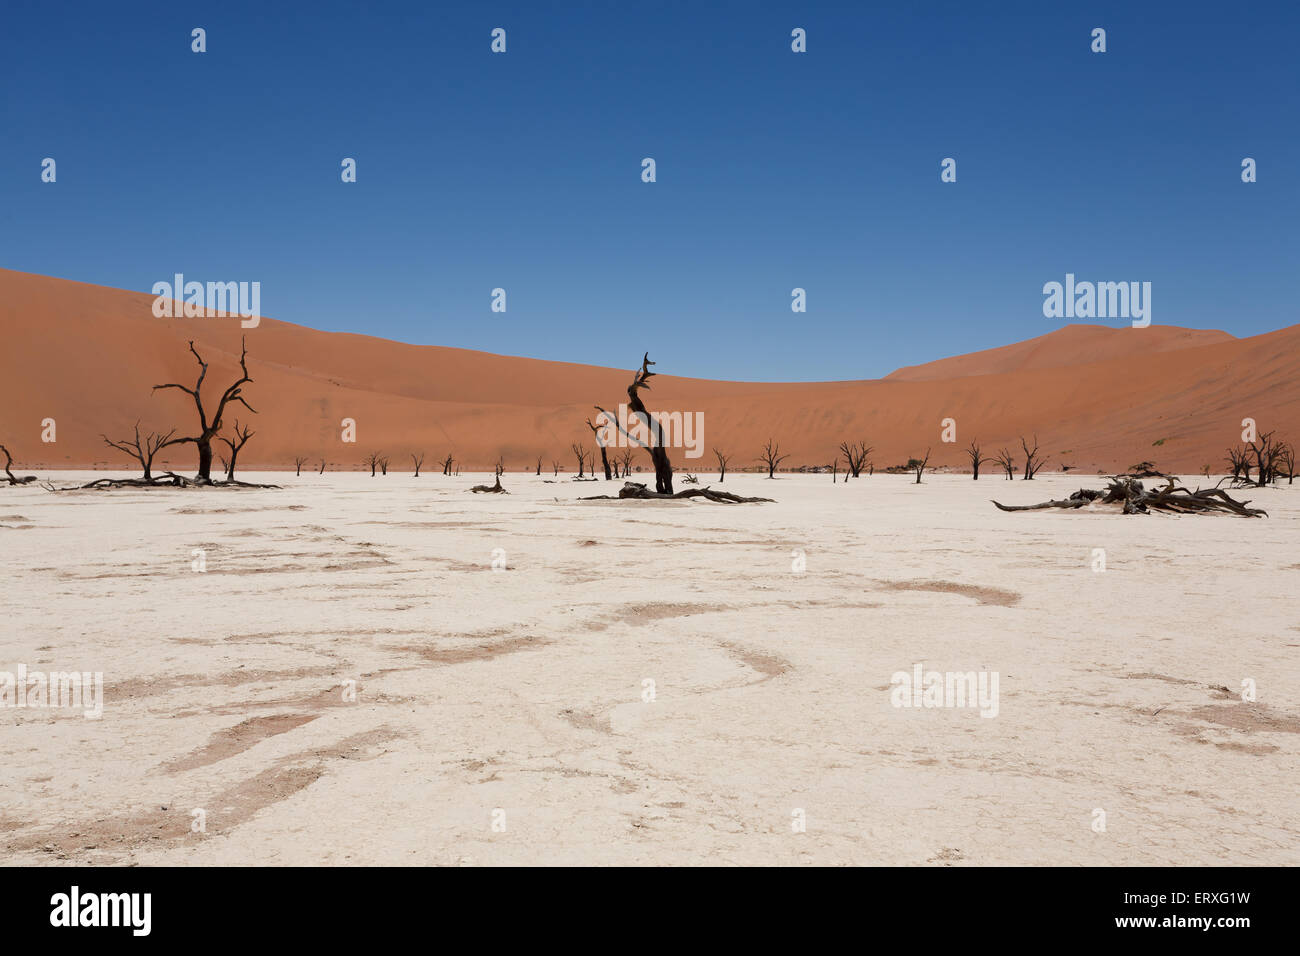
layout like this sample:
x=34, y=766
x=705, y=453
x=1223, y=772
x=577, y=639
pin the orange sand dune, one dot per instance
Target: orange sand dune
x=1072, y=345
x=1098, y=398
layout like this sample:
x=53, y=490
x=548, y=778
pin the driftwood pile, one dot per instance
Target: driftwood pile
x=1134, y=498
x=635, y=489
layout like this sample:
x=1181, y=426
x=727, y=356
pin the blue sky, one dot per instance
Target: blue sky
x=775, y=169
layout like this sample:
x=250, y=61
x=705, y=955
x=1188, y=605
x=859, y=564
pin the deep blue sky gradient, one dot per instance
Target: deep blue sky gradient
x=775, y=169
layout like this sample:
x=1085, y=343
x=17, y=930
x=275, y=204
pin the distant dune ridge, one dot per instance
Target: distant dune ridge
x=1098, y=398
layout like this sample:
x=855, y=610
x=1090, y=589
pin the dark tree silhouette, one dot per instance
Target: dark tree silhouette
x=976, y=459
x=772, y=457
x=855, y=456
x=322, y=466
x=208, y=429
x=447, y=463
x=383, y=466
x=1267, y=451
x=1239, y=461
x=373, y=461
x=1032, y=461
x=722, y=464
x=297, y=466
x=600, y=443
x=658, y=451
x=239, y=441
x=9, y=475
x=581, y=452
x=418, y=462
x=142, y=449
x=1008, y=464
x=919, y=464
x=1287, y=457
x=539, y=464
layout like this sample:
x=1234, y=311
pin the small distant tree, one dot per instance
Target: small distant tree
x=1286, y=458
x=555, y=468
x=1267, y=452
x=297, y=465
x=447, y=463
x=539, y=464
x=919, y=464
x=626, y=461
x=580, y=451
x=418, y=462
x=238, y=442
x=142, y=449
x=1239, y=462
x=322, y=466
x=373, y=461
x=722, y=464
x=772, y=457
x=976, y=459
x=1007, y=463
x=383, y=466
x=855, y=456
x=1032, y=461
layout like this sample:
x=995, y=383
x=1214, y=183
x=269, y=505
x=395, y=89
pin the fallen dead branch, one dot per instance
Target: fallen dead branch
x=490, y=489
x=637, y=490
x=166, y=480
x=1134, y=498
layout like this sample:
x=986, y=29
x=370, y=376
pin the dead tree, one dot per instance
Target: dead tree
x=373, y=462
x=1134, y=498
x=539, y=464
x=722, y=464
x=383, y=466
x=637, y=490
x=600, y=442
x=772, y=456
x=1266, y=451
x=240, y=440
x=626, y=461
x=976, y=459
x=1238, y=460
x=1008, y=465
x=322, y=466
x=1032, y=461
x=495, y=488
x=555, y=468
x=855, y=456
x=208, y=430
x=297, y=466
x=1287, y=457
x=446, y=464
x=143, y=449
x=919, y=464
x=9, y=475
x=418, y=462
x=654, y=432
x=580, y=451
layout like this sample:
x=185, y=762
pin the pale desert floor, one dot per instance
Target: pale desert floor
x=521, y=689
